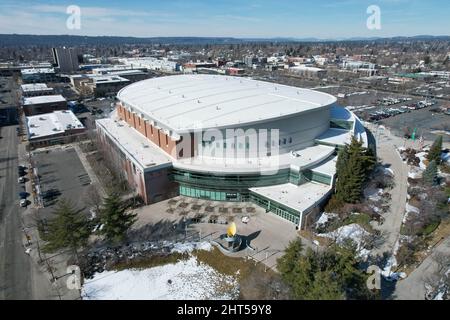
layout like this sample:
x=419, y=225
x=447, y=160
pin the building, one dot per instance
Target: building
x=43, y=104
x=229, y=139
x=366, y=68
x=150, y=63
x=308, y=72
x=234, y=71
x=130, y=74
x=53, y=128
x=66, y=59
x=35, y=89
x=98, y=85
x=38, y=75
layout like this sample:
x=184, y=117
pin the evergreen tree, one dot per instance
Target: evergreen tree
x=353, y=166
x=435, y=150
x=326, y=275
x=430, y=175
x=69, y=229
x=116, y=221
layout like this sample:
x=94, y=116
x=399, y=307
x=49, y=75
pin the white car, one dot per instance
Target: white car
x=23, y=202
x=21, y=179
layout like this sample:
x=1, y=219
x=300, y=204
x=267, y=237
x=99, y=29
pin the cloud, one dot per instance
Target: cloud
x=96, y=12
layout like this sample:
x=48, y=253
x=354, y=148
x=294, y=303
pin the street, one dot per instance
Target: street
x=19, y=277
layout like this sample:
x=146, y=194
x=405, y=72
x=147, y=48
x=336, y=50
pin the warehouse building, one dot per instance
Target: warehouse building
x=53, y=128
x=229, y=139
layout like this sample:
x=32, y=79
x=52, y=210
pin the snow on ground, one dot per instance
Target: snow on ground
x=191, y=246
x=422, y=156
x=373, y=194
x=352, y=231
x=415, y=172
x=184, y=280
x=325, y=217
x=445, y=157
x=389, y=172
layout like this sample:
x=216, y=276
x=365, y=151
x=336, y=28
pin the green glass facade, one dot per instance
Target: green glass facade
x=341, y=124
x=235, y=187
x=277, y=208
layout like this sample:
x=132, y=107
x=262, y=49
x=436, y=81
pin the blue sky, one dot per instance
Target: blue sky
x=234, y=18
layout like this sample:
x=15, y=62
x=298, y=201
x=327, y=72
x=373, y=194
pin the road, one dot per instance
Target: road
x=413, y=287
x=19, y=277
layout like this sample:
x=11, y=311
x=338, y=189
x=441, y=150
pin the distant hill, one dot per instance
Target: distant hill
x=71, y=40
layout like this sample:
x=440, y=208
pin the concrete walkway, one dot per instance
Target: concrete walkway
x=387, y=152
x=413, y=287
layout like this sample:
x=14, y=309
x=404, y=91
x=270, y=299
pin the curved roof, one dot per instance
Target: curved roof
x=188, y=102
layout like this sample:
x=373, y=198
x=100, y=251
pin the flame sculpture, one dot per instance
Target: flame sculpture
x=231, y=231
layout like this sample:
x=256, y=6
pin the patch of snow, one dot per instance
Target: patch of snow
x=191, y=246
x=445, y=157
x=415, y=173
x=389, y=172
x=354, y=232
x=325, y=217
x=422, y=156
x=373, y=194
x=410, y=208
x=184, y=280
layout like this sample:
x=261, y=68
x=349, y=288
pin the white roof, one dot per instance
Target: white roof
x=37, y=70
x=108, y=79
x=186, y=102
x=304, y=158
x=305, y=68
x=43, y=99
x=328, y=168
x=300, y=198
x=137, y=147
x=48, y=124
x=35, y=87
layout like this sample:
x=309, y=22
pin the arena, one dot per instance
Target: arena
x=228, y=138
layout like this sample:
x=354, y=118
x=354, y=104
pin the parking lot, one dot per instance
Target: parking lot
x=61, y=175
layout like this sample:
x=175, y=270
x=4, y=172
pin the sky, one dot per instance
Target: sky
x=324, y=19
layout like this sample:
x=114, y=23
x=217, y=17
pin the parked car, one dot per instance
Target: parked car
x=21, y=179
x=23, y=202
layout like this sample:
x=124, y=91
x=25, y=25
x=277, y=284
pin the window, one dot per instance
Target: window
x=290, y=140
x=284, y=141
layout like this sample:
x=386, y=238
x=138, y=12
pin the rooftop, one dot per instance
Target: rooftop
x=43, y=99
x=303, y=159
x=187, y=102
x=300, y=198
x=37, y=70
x=137, y=147
x=108, y=79
x=48, y=124
x=35, y=87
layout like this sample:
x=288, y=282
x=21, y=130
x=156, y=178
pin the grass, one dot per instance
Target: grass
x=362, y=219
x=224, y=264
x=255, y=284
x=150, y=262
x=430, y=228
